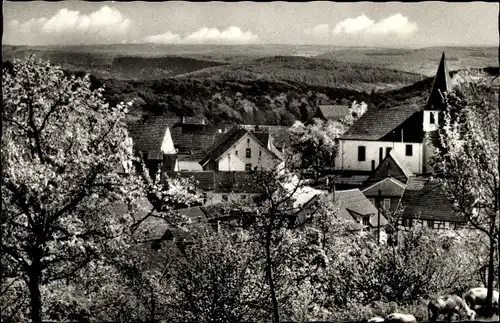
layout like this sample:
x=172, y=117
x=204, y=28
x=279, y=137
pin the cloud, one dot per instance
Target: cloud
x=353, y=25
x=205, y=35
x=395, y=24
x=322, y=30
x=106, y=25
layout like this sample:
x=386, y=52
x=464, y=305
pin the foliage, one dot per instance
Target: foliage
x=466, y=161
x=317, y=143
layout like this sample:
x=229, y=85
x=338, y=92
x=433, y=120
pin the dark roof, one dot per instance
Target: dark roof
x=351, y=180
x=353, y=203
x=280, y=134
x=391, y=166
x=333, y=112
x=376, y=123
x=222, y=182
x=389, y=186
x=194, y=139
x=426, y=200
x=442, y=83
x=223, y=144
x=147, y=138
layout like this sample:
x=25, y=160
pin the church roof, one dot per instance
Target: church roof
x=442, y=83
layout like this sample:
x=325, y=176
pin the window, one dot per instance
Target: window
x=407, y=223
x=388, y=150
x=260, y=153
x=366, y=220
x=433, y=118
x=225, y=198
x=243, y=197
x=249, y=153
x=430, y=224
x=387, y=204
x=409, y=150
x=361, y=153
x=236, y=153
x=248, y=167
x=248, y=140
x=373, y=165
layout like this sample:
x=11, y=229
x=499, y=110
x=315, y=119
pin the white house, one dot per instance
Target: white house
x=403, y=129
x=240, y=150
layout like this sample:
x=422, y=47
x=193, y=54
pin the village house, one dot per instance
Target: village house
x=241, y=150
x=329, y=112
x=386, y=185
x=221, y=187
x=425, y=203
x=404, y=129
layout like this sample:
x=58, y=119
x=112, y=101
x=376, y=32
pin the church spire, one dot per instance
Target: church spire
x=442, y=83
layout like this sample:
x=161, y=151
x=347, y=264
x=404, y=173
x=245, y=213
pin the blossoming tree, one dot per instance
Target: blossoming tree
x=466, y=163
x=61, y=147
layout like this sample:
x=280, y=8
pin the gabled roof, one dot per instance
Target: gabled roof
x=388, y=187
x=391, y=166
x=227, y=140
x=333, y=112
x=353, y=203
x=147, y=138
x=280, y=134
x=376, y=123
x=223, y=144
x=221, y=182
x=426, y=200
x=195, y=139
x=442, y=83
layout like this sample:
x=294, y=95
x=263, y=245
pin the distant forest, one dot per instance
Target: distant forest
x=263, y=91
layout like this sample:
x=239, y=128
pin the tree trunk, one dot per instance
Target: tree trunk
x=269, y=273
x=491, y=277
x=35, y=275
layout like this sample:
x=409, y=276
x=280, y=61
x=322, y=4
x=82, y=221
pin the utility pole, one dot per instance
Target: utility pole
x=378, y=215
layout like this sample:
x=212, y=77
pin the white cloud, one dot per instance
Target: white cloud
x=395, y=24
x=353, y=25
x=322, y=30
x=205, y=35
x=106, y=25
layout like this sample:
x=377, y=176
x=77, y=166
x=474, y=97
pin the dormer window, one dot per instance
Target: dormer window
x=366, y=220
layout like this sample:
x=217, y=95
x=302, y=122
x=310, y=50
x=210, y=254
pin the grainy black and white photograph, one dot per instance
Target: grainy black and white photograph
x=250, y=161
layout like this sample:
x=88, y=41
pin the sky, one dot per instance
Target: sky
x=391, y=24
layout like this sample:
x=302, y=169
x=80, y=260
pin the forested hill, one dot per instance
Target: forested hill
x=249, y=102
x=313, y=71
x=252, y=102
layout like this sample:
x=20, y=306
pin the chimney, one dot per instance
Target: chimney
x=183, y=119
x=203, y=121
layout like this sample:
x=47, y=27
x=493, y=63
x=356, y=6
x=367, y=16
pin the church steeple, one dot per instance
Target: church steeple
x=442, y=83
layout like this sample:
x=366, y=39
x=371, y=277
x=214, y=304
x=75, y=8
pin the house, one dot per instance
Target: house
x=351, y=205
x=385, y=194
x=280, y=135
x=151, y=141
x=239, y=150
x=221, y=187
x=404, y=129
x=332, y=112
x=425, y=203
x=391, y=166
